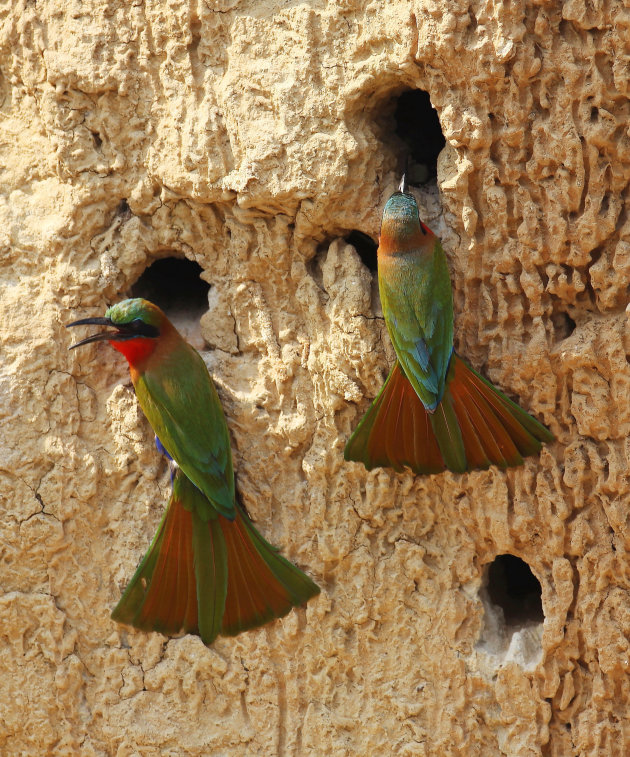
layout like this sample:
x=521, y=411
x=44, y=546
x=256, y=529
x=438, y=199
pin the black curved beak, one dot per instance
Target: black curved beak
x=95, y=337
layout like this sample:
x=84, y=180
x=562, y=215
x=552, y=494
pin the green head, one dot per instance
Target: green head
x=401, y=227
x=136, y=313
x=404, y=208
x=130, y=319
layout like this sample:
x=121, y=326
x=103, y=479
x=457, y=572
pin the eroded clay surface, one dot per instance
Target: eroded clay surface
x=251, y=137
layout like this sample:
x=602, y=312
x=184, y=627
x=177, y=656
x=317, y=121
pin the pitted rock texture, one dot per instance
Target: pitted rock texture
x=252, y=136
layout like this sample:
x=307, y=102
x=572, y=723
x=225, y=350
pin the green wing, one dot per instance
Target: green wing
x=418, y=306
x=180, y=401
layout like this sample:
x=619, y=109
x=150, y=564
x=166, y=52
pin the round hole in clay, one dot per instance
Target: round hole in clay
x=512, y=628
x=563, y=325
x=366, y=248
x=175, y=285
x=418, y=126
x=513, y=587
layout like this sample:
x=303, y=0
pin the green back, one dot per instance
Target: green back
x=182, y=405
x=415, y=288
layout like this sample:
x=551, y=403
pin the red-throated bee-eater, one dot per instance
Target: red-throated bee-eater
x=433, y=412
x=208, y=571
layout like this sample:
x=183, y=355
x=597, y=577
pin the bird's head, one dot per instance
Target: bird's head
x=401, y=227
x=134, y=327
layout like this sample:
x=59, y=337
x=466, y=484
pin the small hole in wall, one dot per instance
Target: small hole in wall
x=174, y=284
x=563, y=325
x=418, y=125
x=366, y=248
x=513, y=587
x=123, y=209
x=511, y=597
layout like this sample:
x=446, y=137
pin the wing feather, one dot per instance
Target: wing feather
x=182, y=405
x=417, y=303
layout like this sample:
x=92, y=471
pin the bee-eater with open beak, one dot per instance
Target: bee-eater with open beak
x=208, y=571
x=433, y=412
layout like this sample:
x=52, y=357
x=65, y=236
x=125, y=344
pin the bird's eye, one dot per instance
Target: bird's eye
x=140, y=328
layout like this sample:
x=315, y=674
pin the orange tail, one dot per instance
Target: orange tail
x=209, y=576
x=396, y=431
x=162, y=595
x=262, y=585
x=474, y=426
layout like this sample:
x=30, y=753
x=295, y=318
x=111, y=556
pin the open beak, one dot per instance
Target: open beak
x=101, y=335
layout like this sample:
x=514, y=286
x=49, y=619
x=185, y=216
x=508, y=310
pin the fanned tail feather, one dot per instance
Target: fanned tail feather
x=474, y=426
x=262, y=585
x=495, y=430
x=211, y=565
x=162, y=595
x=396, y=431
x=446, y=427
x=209, y=576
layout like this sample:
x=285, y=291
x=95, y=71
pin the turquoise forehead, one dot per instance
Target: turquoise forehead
x=128, y=310
x=403, y=206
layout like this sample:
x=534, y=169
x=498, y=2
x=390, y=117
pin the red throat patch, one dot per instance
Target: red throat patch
x=135, y=350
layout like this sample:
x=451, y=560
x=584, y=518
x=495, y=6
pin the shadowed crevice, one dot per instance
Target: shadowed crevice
x=366, y=248
x=175, y=285
x=418, y=126
x=513, y=587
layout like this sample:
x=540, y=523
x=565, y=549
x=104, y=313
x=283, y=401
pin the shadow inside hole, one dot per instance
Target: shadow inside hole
x=563, y=325
x=123, y=209
x=513, y=587
x=175, y=286
x=418, y=125
x=366, y=248
x=512, y=628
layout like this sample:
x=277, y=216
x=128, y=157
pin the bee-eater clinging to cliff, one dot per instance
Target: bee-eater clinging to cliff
x=433, y=412
x=207, y=571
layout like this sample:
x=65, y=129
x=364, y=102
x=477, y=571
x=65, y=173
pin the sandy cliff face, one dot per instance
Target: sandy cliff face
x=251, y=137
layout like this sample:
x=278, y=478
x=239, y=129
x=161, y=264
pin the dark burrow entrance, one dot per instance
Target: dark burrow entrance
x=512, y=630
x=410, y=117
x=418, y=126
x=366, y=248
x=513, y=587
x=175, y=285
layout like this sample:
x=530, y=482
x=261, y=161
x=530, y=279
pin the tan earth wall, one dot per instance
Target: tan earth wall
x=252, y=136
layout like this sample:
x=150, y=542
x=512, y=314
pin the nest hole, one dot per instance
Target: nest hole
x=175, y=285
x=418, y=126
x=513, y=587
x=563, y=325
x=366, y=248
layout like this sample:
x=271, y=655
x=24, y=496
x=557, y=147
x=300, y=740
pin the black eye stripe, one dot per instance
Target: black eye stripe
x=139, y=328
